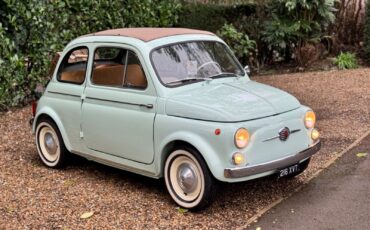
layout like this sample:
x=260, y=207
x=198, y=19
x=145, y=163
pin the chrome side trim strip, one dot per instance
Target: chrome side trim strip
x=64, y=94
x=149, y=106
x=272, y=165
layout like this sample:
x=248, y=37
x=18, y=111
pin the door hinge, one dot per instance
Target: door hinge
x=83, y=96
x=81, y=134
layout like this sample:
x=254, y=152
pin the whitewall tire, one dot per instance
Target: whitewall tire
x=50, y=145
x=188, y=179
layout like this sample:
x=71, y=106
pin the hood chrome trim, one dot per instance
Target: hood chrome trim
x=278, y=136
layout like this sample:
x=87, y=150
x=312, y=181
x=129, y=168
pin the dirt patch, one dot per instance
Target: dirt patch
x=33, y=196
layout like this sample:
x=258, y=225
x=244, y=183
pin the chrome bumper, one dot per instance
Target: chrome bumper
x=272, y=165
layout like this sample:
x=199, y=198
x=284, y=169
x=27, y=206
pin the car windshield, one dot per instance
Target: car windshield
x=190, y=62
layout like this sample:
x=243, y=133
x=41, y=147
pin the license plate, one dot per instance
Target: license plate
x=289, y=170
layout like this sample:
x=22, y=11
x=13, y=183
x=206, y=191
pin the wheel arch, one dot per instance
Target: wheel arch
x=52, y=115
x=206, y=151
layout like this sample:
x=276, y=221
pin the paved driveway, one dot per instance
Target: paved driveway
x=338, y=199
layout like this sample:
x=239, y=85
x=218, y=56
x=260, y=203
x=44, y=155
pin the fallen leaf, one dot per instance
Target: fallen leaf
x=68, y=183
x=9, y=209
x=361, y=154
x=258, y=228
x=87, y=215
x=181, y=210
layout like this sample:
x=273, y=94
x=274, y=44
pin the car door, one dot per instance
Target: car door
x=118, y=107
x=64, y=91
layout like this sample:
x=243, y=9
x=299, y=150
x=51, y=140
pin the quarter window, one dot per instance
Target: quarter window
x=117, y=67
x=73, y=66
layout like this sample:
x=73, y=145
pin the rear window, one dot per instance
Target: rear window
x=73, y=66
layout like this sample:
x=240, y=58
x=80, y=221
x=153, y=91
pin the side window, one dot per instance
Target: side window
x=109, y=66
x=135, y=76
x=117, y=67
x=73, y=66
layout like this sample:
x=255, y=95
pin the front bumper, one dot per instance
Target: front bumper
x=272, y=165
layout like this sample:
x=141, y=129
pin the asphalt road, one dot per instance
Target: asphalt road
x=339, y=198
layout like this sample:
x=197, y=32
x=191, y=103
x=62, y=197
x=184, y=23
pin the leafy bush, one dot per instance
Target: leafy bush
x=238, y=41
x=346, y=61
x=212, y=17
x=32, y=31
x=296, y=23
x=12, y=73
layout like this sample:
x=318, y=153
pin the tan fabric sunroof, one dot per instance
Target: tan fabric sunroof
x=149, y=34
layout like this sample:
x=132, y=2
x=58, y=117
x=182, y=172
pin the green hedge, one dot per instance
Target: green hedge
x=32, y=31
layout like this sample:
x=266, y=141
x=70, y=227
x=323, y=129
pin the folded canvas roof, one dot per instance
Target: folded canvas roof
x=149, y=34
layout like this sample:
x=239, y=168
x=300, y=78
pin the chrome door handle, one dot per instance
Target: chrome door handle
x=149, y=106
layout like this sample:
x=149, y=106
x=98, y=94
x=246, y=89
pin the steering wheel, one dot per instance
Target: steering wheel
x=208, y=63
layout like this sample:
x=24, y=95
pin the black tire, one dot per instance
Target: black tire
x=50, y=144
x=193, y=194
x=302, y=167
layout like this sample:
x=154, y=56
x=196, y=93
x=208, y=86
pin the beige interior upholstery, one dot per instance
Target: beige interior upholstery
x=108, y=75
x=135, y=76
x=77, y=76
x=111, y=75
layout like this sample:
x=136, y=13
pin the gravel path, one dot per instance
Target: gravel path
x=35, y=197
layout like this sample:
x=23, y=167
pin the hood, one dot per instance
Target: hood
x=231, y=102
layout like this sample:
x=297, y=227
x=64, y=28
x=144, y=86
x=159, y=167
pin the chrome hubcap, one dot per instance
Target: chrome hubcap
x=187, y=178
x=50, y=144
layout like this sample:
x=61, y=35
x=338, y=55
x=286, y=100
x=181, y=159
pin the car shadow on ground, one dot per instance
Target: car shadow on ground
x=230, y=196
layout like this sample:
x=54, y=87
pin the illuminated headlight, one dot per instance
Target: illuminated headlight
x=310, y=119
x=238, y=158
x=241, y=138
x=315, y=134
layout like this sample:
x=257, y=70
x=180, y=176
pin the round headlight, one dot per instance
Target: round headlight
x=241, y=138
x=310, y=119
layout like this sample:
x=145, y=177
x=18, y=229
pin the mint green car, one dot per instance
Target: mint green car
x=172, y=103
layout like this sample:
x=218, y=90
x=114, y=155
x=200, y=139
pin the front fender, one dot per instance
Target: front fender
x=199, y=134
x=54, y=116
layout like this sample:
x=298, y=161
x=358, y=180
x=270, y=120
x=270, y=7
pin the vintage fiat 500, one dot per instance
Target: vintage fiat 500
x=172, y=103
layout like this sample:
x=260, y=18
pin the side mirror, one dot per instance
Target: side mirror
x=247, y=70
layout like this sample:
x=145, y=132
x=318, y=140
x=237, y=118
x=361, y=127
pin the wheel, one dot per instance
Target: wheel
x=302, y=167
x=188, y=179
x=50, y=145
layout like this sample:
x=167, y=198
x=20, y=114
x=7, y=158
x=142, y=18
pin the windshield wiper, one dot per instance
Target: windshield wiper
x=224, y=74
x=184, y=80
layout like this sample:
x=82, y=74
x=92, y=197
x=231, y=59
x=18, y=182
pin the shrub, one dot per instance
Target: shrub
x=296, y=23
x=13, y=82
x=346, y=61
x=32, y=31
x=212, y=17
x=238, y=41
